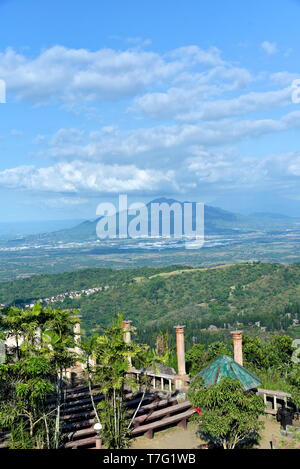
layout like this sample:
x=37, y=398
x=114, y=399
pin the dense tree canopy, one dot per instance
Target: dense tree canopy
x=230, y=416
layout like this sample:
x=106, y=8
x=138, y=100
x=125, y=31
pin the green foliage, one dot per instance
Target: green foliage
x=293, y=379
x=112, y=357
x=273, y=353
x=196, y=359
x=23, y=403
x=163, y=347
x=199, y=356
x=230, y=416
x=32, y=373
x=216, y=349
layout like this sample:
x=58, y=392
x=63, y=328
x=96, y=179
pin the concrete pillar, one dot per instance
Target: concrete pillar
x=127, y=336
x=180, y=350
x=265, y=399
x=237, y=346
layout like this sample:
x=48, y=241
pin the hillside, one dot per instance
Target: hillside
x=42, y=286
x=156, y=299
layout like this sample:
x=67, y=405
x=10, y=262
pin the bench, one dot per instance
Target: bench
x=81, y=433
x=74, y=429
x=72, y=413
x=69, y=396
x=158, y=414
x=160, y=404
x=81, y=443
x=79, y=405
x=143, y=409
x=79, y=425
x=179, y=419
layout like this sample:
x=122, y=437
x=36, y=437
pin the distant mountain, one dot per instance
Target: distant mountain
x=217, y=222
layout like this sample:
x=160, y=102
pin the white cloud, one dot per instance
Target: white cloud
x=69, y=75
x=195, y=90
x=192, y=55
x=86, y=177
x=159, y=145
x=284, y=78
x=228, y=169
x=214, y=170
x=269, y=47
x=176, y=102
x=65, y=136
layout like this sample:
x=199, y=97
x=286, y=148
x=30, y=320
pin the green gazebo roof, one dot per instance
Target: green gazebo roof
x=225, y=366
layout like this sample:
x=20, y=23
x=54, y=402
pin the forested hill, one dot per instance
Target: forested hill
x=42, y=286
x=156, y=299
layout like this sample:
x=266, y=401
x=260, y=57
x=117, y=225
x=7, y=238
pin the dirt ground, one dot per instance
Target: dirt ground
x=178, y=438
x=272, y=427
x=172, y=438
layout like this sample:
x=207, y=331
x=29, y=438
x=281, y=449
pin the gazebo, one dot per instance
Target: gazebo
x=225, y=366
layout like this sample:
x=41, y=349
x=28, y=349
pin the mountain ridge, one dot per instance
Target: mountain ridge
x=217, y=221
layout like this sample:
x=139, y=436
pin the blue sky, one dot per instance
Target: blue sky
x=186, y=99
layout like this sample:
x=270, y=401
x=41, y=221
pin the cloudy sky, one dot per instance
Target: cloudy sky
x=185, y=99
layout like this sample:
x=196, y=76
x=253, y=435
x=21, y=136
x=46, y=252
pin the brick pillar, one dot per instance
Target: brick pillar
x=127, y=335
x=237, y=337
x=180, y=350
x=181, y=378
